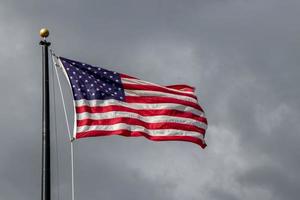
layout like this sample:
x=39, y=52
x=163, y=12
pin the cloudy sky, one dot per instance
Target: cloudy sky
x=241, y=55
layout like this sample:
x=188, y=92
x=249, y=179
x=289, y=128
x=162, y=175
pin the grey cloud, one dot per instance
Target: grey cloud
x=281, y=185
x=110, y=181
x=217, y=193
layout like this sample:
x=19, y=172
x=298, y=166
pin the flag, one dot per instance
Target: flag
x=111, y=103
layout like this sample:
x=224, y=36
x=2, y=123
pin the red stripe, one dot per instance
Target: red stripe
x=155, y=88
x=128, y=133
x=144, y=112
x=182, y=87
x=127, y=76
x=133, y=121
x=155, y=99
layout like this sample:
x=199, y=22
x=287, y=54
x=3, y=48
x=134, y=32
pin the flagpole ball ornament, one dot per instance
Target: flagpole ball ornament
x=44, y=32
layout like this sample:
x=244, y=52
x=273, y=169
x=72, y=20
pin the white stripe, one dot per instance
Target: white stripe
x=158, y=94
x=122, y=126
x=142, y=82
x=139, y=106
x=147, y=119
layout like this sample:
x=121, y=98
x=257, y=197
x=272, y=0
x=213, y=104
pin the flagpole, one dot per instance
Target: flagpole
x=46, y=175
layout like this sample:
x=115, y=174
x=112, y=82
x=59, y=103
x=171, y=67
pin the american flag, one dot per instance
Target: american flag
x=111, y=103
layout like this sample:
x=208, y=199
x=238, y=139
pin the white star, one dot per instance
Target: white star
x=103, y=84
x=104, y=72
x=80, y=76
x=117, y=80
x=78, y=89
x=93, y=94
x=73, y=86
x=121, y=97
x=89, y=68
x=109, y=88
x=92, y=85
x=110, y=76
x=86, y=81
x=73, y=63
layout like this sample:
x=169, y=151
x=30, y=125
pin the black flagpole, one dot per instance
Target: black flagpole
x=46, y=175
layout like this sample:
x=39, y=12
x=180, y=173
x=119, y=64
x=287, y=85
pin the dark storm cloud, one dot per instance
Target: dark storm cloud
x=242, y=56
x=271, y=178
x=114, y=180
x=216, y=194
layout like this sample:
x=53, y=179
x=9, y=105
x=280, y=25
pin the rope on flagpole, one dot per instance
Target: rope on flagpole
x=72, y=170
x=55, y=128
x=68, y=127
x=61, y=93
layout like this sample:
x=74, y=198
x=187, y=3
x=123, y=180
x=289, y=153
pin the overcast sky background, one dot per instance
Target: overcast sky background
x=241, y=55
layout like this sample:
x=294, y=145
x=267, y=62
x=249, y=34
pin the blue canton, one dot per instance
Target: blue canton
x=92, y=83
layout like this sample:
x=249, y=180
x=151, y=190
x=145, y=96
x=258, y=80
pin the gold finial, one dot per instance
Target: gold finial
x=44, y=32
